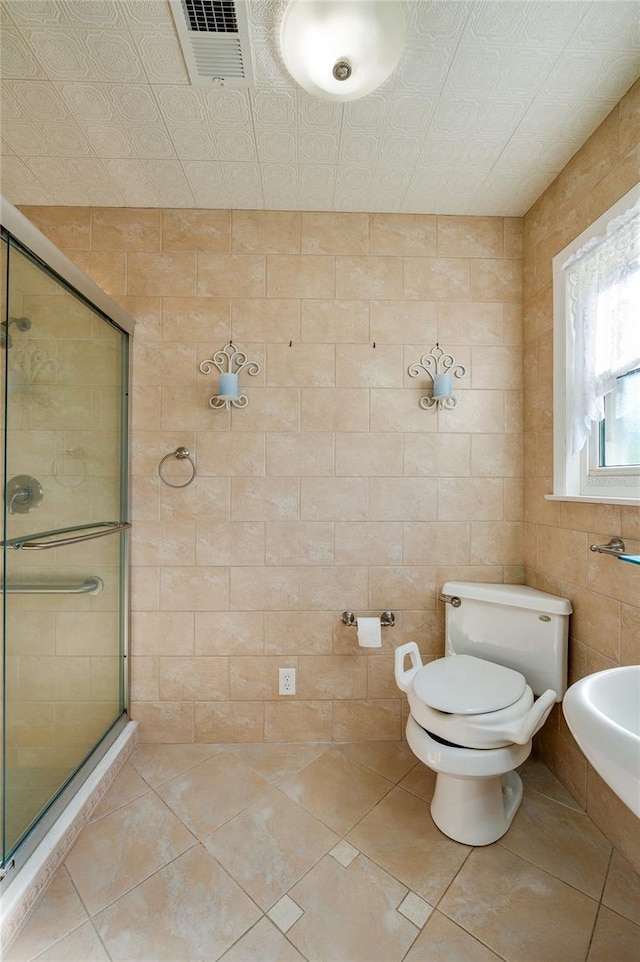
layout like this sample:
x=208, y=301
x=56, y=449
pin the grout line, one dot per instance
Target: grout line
x=151, y=875
x=33, y=958
x=557, y=801
x=547, y=871
x=593, y=931
x=240, y=937
x=462, y=865
x=606, y=875
x=154, y=788
x=99, y=937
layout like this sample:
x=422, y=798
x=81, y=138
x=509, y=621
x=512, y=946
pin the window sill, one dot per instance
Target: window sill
x=590, y=499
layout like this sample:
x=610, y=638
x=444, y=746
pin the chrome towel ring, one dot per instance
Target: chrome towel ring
x=182, y=454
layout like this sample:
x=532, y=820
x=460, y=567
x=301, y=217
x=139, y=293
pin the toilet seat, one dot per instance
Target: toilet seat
x=476, y=701
x=466, y=685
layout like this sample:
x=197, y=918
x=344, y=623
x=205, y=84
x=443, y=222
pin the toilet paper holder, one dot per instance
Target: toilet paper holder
x=387, y=619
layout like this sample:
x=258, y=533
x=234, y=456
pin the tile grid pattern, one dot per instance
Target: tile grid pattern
x=333, y=489
x=98, y=109
x=329, y=854
x=605, y=626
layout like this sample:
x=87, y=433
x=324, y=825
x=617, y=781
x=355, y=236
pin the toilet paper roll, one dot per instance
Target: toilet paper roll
x=369, y=632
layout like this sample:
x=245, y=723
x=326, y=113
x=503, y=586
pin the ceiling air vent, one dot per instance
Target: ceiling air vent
x=215, y=41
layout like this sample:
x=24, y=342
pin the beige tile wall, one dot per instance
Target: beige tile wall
x=333, y=489
x=605, y=628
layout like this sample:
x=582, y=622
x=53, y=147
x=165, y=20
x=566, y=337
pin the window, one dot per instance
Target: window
x=619, y=440
x=597, y=359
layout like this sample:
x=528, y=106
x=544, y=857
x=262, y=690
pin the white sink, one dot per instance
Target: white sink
x=603, y=713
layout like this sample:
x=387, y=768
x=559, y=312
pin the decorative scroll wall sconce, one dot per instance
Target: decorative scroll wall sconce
x=440, y=367
x=229, y=361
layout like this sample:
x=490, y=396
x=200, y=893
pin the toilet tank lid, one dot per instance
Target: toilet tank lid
x=520, y=596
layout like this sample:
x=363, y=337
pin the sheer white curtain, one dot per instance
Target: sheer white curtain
x=603, y=301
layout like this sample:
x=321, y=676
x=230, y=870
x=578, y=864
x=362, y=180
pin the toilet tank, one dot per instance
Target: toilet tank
x=512, y=625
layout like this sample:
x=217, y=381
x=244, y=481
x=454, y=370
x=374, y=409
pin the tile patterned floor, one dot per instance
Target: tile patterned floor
x=325, y=853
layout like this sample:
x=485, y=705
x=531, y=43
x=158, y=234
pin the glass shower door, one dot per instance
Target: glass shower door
x=64, y=509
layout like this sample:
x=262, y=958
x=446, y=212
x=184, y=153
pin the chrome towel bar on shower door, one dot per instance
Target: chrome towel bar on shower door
x=92, y=586
x=30, y=542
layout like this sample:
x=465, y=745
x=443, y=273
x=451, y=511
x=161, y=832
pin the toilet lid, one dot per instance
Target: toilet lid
x=465, y=685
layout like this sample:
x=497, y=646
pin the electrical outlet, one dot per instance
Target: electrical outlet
x=286, y=681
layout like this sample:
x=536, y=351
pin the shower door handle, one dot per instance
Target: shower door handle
x=29, y=542
x=92, y=586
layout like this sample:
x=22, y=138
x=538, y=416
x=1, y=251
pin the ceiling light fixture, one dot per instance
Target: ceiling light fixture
x=342, y=49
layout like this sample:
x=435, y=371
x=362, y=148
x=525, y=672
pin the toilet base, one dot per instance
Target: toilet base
x=477, y=791
x=476, y=811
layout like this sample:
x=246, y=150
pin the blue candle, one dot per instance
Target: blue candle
x=228, y=385
x=442, y=385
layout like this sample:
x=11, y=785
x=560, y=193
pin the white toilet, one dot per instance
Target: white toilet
x=473, y=713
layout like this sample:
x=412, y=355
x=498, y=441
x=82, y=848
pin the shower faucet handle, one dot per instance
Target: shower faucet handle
x=23, y=493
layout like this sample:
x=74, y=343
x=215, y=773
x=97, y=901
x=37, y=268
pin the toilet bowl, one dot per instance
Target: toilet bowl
x=477, y=792
x=473, y=712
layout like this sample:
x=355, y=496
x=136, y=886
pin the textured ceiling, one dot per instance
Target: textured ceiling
x=488, y=103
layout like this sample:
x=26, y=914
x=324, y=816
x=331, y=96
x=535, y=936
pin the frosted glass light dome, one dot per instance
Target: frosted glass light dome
x=323, y=41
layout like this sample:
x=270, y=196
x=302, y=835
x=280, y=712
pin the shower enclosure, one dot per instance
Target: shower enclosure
x=65, y=370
